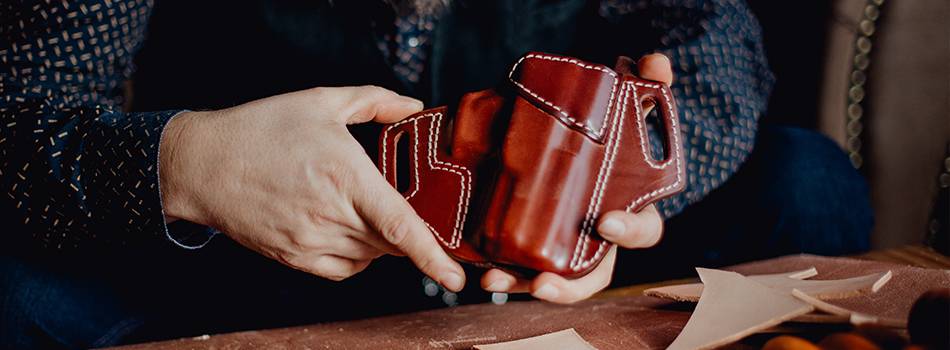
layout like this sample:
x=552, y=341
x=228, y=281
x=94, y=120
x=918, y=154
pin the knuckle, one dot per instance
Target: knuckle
x=339, y=172
x=305, y=241
x=332, y=269
x=293, y=260
x=425, y=263
x=398, y=229
x=320, y=92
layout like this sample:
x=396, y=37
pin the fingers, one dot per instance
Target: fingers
x=379, y=243
x=556, y=289
x=496, y=280
x=360, y=104
x=632, y=230
x=388, y=213
x=552, y=287
x=657, y=67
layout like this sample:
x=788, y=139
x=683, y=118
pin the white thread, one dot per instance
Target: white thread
x=585, y=233
x=603, y=176
x=563, y=116
x=465, y=180
x=386, y=137
x=644, y=146
x=679, y=166
x=415, y=159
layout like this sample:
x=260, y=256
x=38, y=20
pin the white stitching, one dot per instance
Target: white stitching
x=679, y=166
x=415, y=152
x=612, y=144
x=465, y=179
x=415, y=159
x=602, y=177
x=643, y=134
x=585, y=233
x=562, y=114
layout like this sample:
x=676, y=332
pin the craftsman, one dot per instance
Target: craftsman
x=248, y=155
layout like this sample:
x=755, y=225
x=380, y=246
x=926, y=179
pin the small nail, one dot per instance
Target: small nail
x=452, y=281
x=546, y=292
x=612, y=227
x=499, y=286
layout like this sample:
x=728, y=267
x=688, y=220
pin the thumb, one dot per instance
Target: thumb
x=386, y=211
x=656, y=67
x=360, y=104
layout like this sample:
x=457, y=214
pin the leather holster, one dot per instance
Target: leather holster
x=517, y=176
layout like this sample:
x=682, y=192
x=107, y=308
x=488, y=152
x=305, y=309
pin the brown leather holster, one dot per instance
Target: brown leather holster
x=517, y=176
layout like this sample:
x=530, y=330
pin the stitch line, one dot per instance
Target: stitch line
x=606, y=167
x=415, y=158
x=464, y=181
x=386, y=137
x=599, y=184
x=644, y=145
x=679, y=166
x=562, y=115
x=664, y=190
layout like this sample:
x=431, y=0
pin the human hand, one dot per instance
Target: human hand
x=284, y=177
x=628, y=230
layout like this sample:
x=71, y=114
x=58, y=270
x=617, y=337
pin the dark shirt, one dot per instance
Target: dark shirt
x=77, y=172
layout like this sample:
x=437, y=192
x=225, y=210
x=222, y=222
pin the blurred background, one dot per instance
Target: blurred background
x=874, y=76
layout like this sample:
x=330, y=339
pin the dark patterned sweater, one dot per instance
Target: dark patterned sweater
x=77, y=172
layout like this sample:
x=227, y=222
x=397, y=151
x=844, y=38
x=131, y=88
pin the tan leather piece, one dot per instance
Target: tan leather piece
x=517, y=177
x=852, y=317
x=567, y=339
x=823, y=289
x=613, y=323
x=733, y=307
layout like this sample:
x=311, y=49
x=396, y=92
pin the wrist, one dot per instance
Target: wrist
x=173, y=176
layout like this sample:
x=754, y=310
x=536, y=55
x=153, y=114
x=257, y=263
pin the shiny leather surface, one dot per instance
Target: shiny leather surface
x=517, y=176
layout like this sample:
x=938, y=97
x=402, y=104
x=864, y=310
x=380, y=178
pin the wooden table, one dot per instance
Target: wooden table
x=640, y=320
x=913, y=255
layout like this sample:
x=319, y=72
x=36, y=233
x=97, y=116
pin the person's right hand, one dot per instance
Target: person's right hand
x=284, y=177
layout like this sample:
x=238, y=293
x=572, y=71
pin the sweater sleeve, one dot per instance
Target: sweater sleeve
x=75, y=171
x=721, y=81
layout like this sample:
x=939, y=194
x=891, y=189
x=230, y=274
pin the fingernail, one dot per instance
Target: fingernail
x=546, y=292
x=499, y=286
x=452, y=281
x=612, y=227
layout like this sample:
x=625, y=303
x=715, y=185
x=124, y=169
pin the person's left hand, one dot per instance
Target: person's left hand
x=628, y=230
